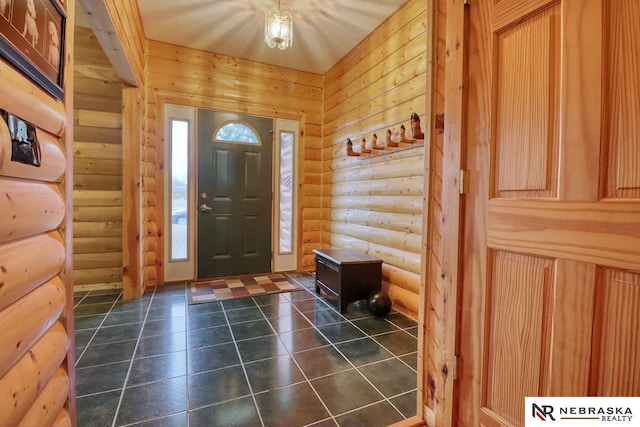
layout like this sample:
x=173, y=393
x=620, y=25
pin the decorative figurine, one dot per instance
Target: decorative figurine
x=350, y=151
x=388, y=142
x=374, y=143
x=416, y=131
x=363, y=147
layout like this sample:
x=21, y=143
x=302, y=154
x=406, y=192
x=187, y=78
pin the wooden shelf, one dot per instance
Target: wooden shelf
x=373, y=152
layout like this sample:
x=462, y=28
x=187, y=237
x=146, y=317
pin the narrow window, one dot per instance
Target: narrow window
x=286, y=192
x=179, y=188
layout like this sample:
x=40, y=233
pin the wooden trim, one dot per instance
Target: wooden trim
x=410, y=422
x=445, y=297
x=425, y=253
x=132, y=282
x=110, y=40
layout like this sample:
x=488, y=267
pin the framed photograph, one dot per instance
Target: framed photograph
x=32, y=40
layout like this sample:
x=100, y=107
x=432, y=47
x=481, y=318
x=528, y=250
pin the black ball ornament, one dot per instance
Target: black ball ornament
x=379, y=303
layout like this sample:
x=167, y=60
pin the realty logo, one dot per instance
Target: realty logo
x=543, y=412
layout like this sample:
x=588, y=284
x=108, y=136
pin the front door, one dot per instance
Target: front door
x=234, y=194
x=551, y=267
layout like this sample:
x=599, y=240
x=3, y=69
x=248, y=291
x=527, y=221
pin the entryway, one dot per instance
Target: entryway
x=230, y=194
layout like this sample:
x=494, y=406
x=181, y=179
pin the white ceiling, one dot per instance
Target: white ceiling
x=324, y=31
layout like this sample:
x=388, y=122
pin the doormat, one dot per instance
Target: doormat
x=241, y=287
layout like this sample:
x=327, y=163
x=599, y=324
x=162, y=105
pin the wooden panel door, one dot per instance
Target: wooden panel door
x=551, y=267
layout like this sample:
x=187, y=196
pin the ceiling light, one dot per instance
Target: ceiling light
x=278, y=29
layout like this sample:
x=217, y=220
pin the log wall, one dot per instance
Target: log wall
x=97, y=153
x=375, y=204
x=185, y=76
x=36, y=292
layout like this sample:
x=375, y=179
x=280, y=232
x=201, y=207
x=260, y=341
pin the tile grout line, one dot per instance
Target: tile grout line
x=349, y=361
x=244, y=370
x=332, y=417
x=97, y=329
x=133, y=355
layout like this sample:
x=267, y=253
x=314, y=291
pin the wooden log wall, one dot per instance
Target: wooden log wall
x=375, y=204
x=36, y=292
x=97, y=152
x=185, y=76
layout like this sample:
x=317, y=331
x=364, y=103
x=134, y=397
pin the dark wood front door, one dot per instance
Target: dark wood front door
x=234, y=197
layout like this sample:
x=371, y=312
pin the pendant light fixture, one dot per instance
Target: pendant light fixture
x=278, y=29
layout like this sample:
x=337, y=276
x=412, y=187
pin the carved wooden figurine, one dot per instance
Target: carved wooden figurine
x=374, y=143
x=350, y=151
x=403, y=136
x=388, y=142
x=416, y=131
x=363, y=147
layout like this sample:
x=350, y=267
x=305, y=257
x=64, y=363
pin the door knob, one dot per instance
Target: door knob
x=205, y=208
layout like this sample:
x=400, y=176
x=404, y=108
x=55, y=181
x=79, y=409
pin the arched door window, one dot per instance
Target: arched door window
x=236, y=132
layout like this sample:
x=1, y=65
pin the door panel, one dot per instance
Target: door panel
x=234, y=196
x=552, y=217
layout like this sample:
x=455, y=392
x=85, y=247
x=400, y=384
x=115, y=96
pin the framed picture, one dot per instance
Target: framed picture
x=32, y=40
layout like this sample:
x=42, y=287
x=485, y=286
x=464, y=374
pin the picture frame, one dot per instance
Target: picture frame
x=32, y=35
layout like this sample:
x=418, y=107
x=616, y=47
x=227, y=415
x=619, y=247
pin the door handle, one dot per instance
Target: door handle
x=205, y=208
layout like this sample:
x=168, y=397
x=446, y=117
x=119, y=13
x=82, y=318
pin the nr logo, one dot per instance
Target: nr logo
x=544, y=412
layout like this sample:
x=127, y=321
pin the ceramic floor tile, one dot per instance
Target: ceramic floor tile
x=98, y=379
x=254, y=329
x=406, y=403
x=304, y=339
x=323, y=317
x=261, y=348
x=289, y=323
x=175, y=420
x=161, y=344
x=345, y=391
x=321, y=361
x=91, y=309
x=279, y=310
x=240, y=413
x=233, y=304
x=379, y=415
x=244, y=315
x=155, y=368
x=375, y=325
x=391, y=377
x=340, y=332
x=164, y=326
x=275, y=406
x=88, y=322
x=213, y=357
x=363, y=351
x=399, y=342
x=401, y=321
x=271, y=299
x=145, y=402
x=112, y=334
x=209, y=336
x=217, y=386
x=272, y=373
x=102, y=354
x=210, y=307
x=205, y=320
x=411, y=360
x=98, y=410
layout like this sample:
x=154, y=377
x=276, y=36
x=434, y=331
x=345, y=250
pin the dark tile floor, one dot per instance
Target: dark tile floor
x=278, y=360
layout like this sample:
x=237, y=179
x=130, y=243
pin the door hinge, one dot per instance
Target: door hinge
x=464, y=181
x=456, y=366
